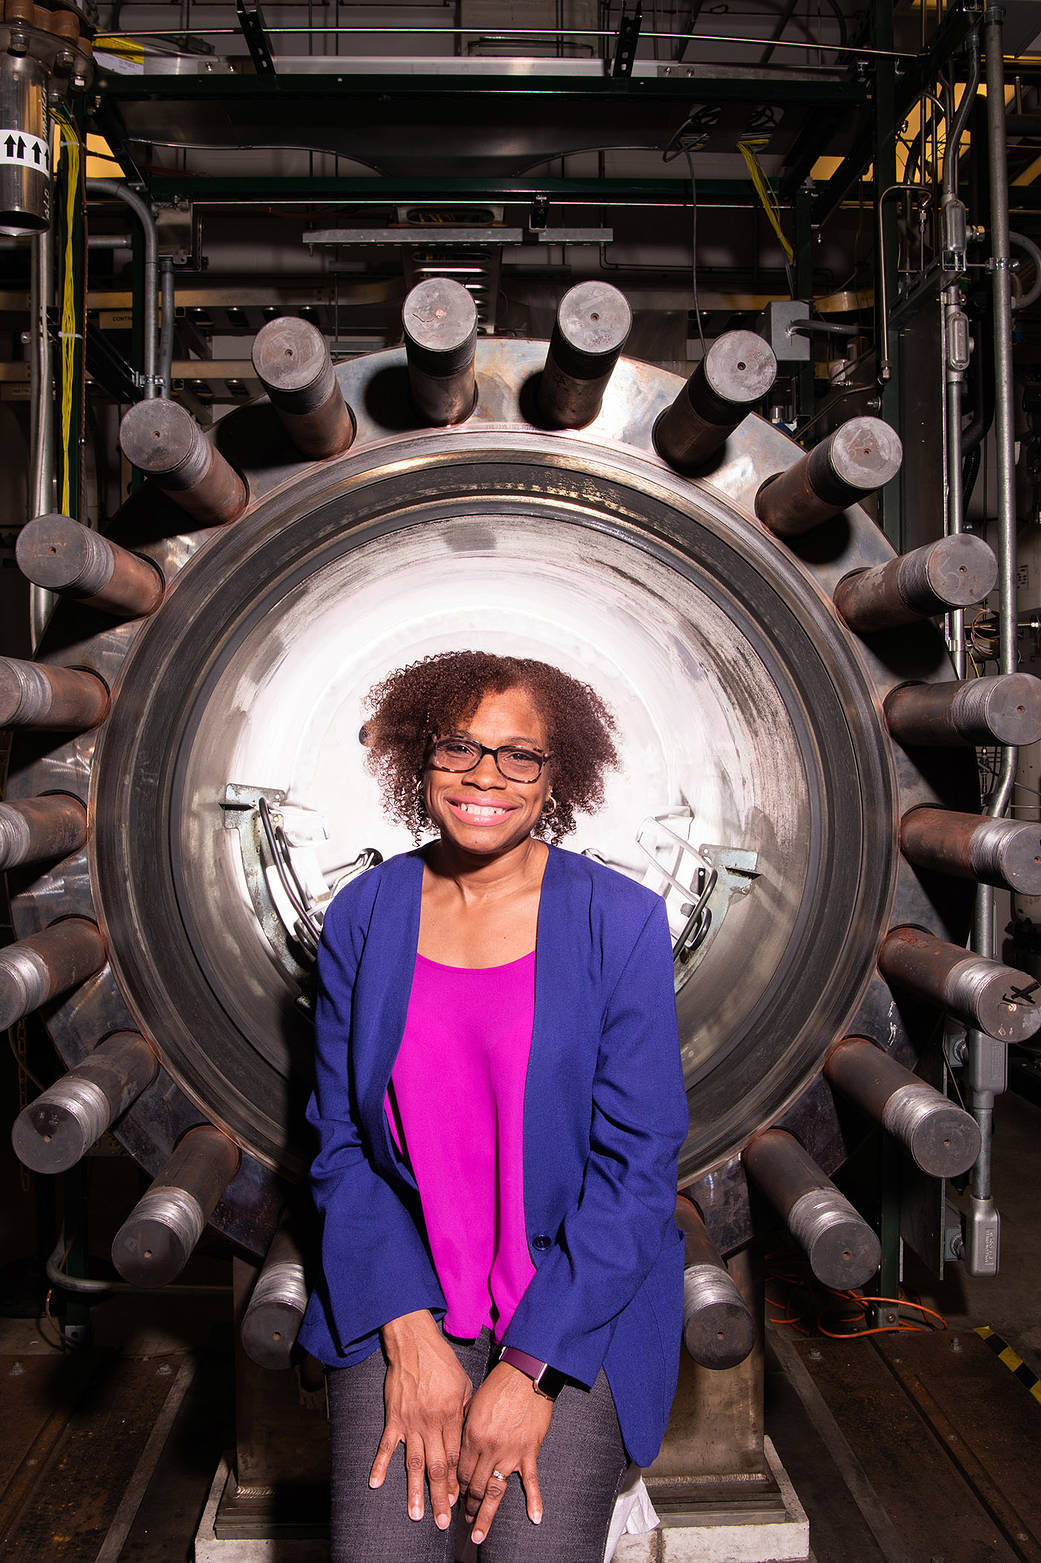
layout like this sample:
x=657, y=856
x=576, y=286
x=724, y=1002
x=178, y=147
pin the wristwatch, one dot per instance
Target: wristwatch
x=545, y=1381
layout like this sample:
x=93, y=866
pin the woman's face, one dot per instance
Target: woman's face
x=481, y=811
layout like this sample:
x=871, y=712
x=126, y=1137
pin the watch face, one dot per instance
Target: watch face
x=549, y=1382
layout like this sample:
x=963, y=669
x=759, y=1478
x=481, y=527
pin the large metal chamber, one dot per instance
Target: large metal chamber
x=760, y=790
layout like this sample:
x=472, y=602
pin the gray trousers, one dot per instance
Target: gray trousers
x=581, y=1468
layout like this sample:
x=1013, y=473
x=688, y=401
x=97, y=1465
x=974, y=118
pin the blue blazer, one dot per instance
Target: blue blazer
x=605, y=1114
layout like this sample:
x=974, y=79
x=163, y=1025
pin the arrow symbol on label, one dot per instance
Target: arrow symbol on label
x=9, y=145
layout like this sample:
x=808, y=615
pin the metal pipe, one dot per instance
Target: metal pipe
x=45, y=964
x=64, y=556
x=952, y=572
x=941, y=1138
x=1021, y=242
x=276, y=1306
x=980, y=992
x=525, y=32
x=844, y=1252
x=40, y=830
x=156, y=1240
x=987, y=1067
x=858, y=458
x=974, y=846
x=39, y=694
x=164, y=441
x=1003, y=708
x=292, y=360
x=60, y=1126
x=718, y=1328
x=885, y=370
x=956, y=347
x=41, y=410
x=592, y=325
x=736, y=373
x=166, y=325
x=113, y=190
x=439, y=320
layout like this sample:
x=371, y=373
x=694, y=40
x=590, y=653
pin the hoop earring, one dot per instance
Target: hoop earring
x=550, y=806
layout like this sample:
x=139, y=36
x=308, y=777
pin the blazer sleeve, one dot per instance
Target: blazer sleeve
x=374, y=1262
x=611, y=1240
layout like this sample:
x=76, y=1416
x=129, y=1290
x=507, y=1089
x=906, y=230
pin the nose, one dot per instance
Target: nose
x=486, y=773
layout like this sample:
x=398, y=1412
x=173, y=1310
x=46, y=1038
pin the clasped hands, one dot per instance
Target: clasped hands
x=460, y=1441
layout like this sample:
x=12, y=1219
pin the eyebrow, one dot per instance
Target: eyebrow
x=526, y=743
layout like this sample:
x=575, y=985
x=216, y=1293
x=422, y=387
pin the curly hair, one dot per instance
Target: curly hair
x=437, y=693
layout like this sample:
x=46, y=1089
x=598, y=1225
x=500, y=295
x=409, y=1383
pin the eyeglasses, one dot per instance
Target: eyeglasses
x=466, y=754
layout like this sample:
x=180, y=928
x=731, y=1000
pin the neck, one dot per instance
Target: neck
x=476, y=875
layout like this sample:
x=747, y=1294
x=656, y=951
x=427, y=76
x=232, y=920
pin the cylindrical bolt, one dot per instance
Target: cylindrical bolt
x=998, y=1000
x=156, y=1240
x=45, y=964
x=941, y=1137
x=276, y=1307
x=843, y=1250
x=1003, y=708
x=41, y=694
x=60, y=1126
x=440, y=326
x=718, y=1328
x=860, y=457
x=40, y=830
x=164, y=441
x=62, y=555
x=1001, y=852
x=592, y=325
x=292, y=361
x=736, y=373
x=951, y=573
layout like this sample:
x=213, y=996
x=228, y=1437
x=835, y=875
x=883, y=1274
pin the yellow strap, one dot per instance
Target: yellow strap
x=747, y=150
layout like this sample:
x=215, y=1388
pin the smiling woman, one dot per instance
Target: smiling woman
x=500, y=1106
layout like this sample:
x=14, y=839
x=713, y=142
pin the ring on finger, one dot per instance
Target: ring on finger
x=499, y=1477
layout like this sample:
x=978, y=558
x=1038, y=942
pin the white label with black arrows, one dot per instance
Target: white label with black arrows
x=16, y=146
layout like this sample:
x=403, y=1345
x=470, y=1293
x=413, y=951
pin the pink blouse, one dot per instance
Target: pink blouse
x=456, y=1111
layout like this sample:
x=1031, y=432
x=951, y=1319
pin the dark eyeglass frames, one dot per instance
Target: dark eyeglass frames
x=465, y=754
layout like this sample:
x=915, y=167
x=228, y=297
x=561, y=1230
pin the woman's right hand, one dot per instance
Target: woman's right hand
x=425, y=1397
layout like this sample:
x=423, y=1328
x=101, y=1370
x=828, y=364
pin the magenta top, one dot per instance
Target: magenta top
x=456, y=1111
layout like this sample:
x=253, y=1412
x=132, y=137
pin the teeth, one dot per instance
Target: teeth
x=482, y=810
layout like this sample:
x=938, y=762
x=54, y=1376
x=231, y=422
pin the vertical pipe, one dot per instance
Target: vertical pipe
x=987, y=1060
x=113, y=190
x=954, y=375
x=41, y=489
x=166, y=329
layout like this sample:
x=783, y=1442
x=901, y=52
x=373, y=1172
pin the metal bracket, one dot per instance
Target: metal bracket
x=627, y=41
x=254, y=31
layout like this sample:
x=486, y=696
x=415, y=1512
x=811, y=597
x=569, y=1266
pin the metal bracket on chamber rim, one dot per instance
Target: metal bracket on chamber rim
x=732, y=869
x=694, y=894
x=288, y=891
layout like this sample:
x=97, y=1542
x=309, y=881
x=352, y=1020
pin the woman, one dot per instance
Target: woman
x=499, y=1107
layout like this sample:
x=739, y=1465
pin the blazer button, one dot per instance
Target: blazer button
x=541, y=1241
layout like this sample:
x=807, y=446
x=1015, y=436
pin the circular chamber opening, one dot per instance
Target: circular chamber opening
x=755, y=776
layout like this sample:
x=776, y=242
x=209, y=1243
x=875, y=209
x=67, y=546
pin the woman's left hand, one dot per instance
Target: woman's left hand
x=503, y=1432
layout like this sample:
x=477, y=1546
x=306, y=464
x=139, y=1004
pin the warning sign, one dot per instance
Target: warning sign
x=16, y=146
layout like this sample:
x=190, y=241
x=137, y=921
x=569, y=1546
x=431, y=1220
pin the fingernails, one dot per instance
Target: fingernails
x=374, y=1481
x=477, y=1537
x=443, y=1521
x=536, y=1518
x=415, y=1512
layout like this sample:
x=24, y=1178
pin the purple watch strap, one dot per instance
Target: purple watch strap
x=522, y=1360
